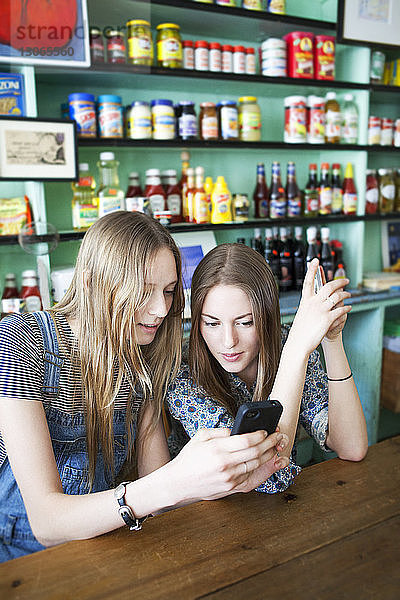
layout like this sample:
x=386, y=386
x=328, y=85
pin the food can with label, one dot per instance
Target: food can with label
x=374, y=131
x=324, y=57
x=110, y=116
x=82, y=109
x=315, y=120
x=386, y=132
x=295, y=120
x=300, y=48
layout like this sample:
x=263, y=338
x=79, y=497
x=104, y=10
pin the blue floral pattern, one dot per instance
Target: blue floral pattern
x=191, y=407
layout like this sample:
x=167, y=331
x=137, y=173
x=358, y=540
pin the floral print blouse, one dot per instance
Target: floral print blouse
x=190, y=406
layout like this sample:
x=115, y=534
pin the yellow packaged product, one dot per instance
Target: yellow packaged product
x=221, y=200
x=14, y=214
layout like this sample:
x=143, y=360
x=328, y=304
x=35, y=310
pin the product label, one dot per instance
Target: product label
x=350, y=128
x=263, y=209
x=388, y=191
x=349, y=203
x=163, y=126
x=140, y=47
x=227, y=62
x=325, y=200
x=188, y=58
x=229, y=123
x=12, y=305
x=110, y=121
x=249, y=123
x=277, y=208
x=252, y=4
x=250, y=64
x=85, y=117
x=333, y=124
x=295, y=124
x=311, y=201
x=187, y=126
x=157, y=202
x=32, y=303
x=84, y=215
x=294, y=207
x=108, y=204
x=337, y=200
x=372, y=196
x=174, y=204
x=316, y=125
x=169, y=49
x=209, y=127
x=140, y=127
x=239, y=62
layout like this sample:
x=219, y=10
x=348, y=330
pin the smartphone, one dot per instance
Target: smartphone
x=318, y=283
x=253, y=416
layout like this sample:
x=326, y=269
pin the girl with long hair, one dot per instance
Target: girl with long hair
x=239, y=352
x=81, y=393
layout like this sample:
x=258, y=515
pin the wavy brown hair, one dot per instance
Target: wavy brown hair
x=240, y=266
x=107, y=289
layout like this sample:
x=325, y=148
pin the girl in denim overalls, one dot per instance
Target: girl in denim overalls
x=81, y=395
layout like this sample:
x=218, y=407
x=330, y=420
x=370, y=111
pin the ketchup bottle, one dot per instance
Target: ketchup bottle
x=174, y=199
x=30, y=292
x=155, y=191
x=349, y=192
x=10, y=287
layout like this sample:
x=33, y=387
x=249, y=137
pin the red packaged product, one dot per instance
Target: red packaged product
x=300, y=54
x=324, y=57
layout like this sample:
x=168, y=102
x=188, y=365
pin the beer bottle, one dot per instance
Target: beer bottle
x=311, y=196
x=277, y=198
x=260, y=195
x=293, y=195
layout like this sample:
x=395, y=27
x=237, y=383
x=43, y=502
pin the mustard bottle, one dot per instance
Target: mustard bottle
x=221, y=200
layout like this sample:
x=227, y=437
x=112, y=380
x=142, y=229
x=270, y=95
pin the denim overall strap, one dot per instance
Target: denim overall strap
x=52, y=361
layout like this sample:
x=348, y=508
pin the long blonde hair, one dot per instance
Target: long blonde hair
x=107, y=288
x=242, y=267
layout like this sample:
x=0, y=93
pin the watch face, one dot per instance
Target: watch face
x=119, y=491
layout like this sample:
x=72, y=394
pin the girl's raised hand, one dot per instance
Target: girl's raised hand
x=320, y=314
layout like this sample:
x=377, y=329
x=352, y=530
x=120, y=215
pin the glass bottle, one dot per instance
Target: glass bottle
x=327, y=254
x=293, y=195
x=188, y=200
x=312, y=249
x=397, y=198
x=333, y=119
x=337, y=192
x=240, y=207
x=154, y=191
x=271, y=254
x=96, y=45
x=350, y=120
x=260, y=195
x=277, y=198
x=299, y=256
x=201, y=213
x=349, y=192
x=325, y=191
x=10, y=300
x=371, y=193
x=109, y=195
x=133, y=193
x=311, y=194
x=340, y=267
x=185, y=157
x=84, y=202
x=286, y=263
x=30, y=293
x=174, y=199
x=256, y=242
x=387, y=190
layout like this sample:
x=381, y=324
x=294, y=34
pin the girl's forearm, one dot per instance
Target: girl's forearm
x=347, y=434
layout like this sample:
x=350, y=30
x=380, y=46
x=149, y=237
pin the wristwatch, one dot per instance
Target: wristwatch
x=125, y=511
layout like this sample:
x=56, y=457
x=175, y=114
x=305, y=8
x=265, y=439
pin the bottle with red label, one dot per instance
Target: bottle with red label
x=154, y=191
x=174, y=200
x=292, y=191
x=372, y=193
x=260, y=195
x=286, y=262
x=277, y=197
x=311, y=193
x=337, y=192
x=134, y=197
x=349, y=192
x=325, y=191
x=10, y=300
x=30, y=293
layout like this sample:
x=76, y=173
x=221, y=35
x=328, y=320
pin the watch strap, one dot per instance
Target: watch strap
x=125, y=511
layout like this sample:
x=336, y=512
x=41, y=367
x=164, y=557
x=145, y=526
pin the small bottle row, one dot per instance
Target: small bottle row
x=383, y=131
x=288, y=255
x=27, y=299
x=382, y=191
x=161, y=119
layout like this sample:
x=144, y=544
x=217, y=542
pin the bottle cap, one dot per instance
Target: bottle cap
x=348, y=97
x=311, y=234
x=257, y=232
x=106, y=155
x=199, y=170
x=298, y=232
x=134, y=174
x=268, y=233
x=29, y=273
x=331, y=96
x=10, y=276
x=153, y=173
x=324, y=233
x=282, y=232
x=169, y=173
x=83, y=166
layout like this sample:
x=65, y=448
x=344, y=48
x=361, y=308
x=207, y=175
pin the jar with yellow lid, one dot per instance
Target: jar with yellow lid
x=169, y=46
x=249, y=119
x=140, y=43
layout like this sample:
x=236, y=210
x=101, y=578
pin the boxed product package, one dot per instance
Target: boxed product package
x=60, y=281
x=14, y=214
x=12, y=95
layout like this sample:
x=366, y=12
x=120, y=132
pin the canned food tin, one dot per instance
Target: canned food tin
x=273, y=43
x=110, y=116
x=386, y=132
x=315, y=120
x=82, y=110
x=295, y=120
x=374, y=130
x=324, y=57
x=300, y=47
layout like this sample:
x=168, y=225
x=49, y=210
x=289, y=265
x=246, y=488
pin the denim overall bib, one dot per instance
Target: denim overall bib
x=68, y=435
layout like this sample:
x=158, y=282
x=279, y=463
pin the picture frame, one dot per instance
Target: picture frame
x=34, y=32
x=38, y=149
x=373, y=23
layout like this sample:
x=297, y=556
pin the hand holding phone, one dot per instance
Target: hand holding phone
x=253, y=416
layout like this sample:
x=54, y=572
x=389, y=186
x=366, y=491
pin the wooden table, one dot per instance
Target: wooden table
x=333, y=535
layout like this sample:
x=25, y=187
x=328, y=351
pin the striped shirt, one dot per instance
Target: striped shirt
x=22, y=369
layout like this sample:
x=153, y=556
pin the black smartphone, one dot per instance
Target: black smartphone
x=253, y=416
